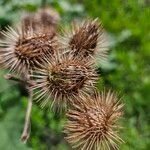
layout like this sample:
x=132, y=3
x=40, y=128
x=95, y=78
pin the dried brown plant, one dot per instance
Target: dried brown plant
x=93, y=122
x=63, y=78
x=86, y=40
x=28, y=20
x=59, y=72
x=45, y=21
x=22, y=50
x=48, y=16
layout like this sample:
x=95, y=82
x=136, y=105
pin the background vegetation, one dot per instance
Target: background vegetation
x=127, y=71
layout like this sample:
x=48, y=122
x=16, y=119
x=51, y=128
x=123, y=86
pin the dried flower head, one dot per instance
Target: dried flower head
x=45, y=21
x=28, y=20
x=88, y=39
x=48, y=16
x=92, y=124
x=21, y=51
x=63, y=78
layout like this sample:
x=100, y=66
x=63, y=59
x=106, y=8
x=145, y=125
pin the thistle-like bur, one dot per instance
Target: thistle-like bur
x=22, y=50
x=48, y=16
x=63, y=78
x=87, y=40
x=45, y=20
x=28, y=20
x=92, y=123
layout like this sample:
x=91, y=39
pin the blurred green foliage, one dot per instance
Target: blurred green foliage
x=127, y=71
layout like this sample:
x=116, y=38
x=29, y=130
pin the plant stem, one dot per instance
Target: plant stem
x=26, y=131
x=27, y=82
x=14, y=78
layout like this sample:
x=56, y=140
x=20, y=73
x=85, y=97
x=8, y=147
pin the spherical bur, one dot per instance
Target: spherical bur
x=48, y=16
x=45, y=21
x=93, y=122
x=62, y=79
x=88, y=39
x=28, y=20
x=21, y=51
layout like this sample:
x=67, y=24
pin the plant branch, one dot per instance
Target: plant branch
x=26, y=131
x=14, y=78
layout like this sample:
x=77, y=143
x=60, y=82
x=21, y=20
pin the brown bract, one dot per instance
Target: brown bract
x=92, y=123
x=62, y=79
x=21, y=51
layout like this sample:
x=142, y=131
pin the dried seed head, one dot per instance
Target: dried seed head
x=92, y=124
x=86, y=40
x=62, y=79
x=47, y=20
x=48, y=16
x=28, y=20
x=21, y=50
x=44, y=21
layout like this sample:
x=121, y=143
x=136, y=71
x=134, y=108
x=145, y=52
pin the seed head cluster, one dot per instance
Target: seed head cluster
x=63, y=72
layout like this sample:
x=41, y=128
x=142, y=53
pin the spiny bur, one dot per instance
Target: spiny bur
x=48, y=16
x=86, y=40
x=45, y=20
x=93, y=122
x=22, y=50
x=28, y=20
x=63, y=78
